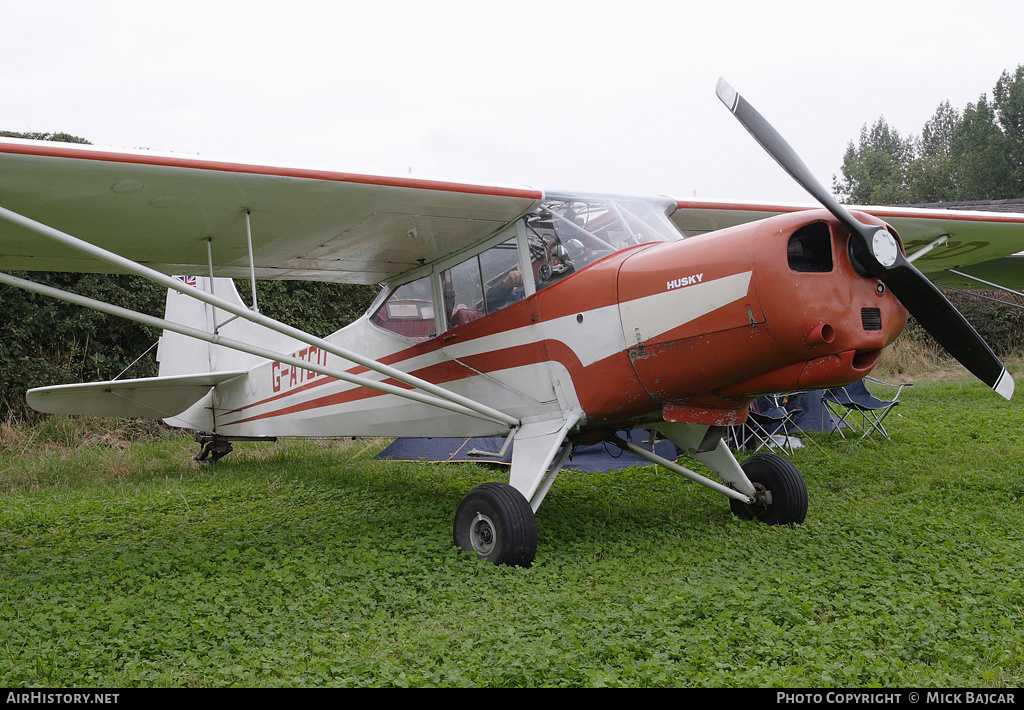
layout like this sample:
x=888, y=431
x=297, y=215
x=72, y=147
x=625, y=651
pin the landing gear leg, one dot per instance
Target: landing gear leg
x=497, y=523
x=765, y=487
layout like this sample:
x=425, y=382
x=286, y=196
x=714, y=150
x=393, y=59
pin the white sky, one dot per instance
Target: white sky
x=595, y=95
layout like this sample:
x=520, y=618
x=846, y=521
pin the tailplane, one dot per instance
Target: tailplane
x=147, y=397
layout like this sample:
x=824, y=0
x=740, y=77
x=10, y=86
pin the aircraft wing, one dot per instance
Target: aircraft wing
x=982, y=244
x=160, y=210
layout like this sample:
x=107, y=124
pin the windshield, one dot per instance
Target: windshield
x=581, y=229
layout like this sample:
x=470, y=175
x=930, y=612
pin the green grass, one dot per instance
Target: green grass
x=311, y=564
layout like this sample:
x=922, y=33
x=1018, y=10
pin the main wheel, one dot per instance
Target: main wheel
x=781, y=491
x=496, y=522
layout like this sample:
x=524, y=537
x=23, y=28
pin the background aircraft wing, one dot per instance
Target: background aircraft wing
x=1007, y=272
x=979, y=243
x=166, y=211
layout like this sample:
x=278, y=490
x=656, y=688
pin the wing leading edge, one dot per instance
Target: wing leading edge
x=177, y=214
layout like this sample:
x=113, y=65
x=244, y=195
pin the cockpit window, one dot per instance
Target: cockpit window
x=571, y=232
x=568, y=233
x=810, y=249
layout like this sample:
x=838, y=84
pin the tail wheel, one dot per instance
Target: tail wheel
x=496, y=522
x=781, y=491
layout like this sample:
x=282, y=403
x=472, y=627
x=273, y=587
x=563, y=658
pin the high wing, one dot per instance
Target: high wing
x=182, y=214
x=179, y=215
x=982, y=244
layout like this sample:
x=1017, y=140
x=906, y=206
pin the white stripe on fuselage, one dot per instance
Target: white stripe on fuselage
x=660, y=313
x=601, y=333
x=593, y=335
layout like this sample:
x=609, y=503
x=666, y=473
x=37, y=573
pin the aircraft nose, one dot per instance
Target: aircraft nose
x=815, y=302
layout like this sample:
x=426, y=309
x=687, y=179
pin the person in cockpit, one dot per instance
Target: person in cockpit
x=551, y=262
x=506, y=292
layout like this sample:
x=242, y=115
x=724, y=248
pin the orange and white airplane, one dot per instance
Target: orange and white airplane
x=551, y=319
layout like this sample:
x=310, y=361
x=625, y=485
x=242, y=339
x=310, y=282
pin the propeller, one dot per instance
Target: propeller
x=876, y=254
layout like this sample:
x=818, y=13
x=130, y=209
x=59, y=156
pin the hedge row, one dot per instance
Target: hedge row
x=997, y=316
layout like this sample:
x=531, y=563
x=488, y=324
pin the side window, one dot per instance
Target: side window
x=408, y=311
x=503, y=279
x=482, y=284
x=463, y=293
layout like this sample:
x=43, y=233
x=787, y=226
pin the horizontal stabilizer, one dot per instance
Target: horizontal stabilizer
x=147, y=397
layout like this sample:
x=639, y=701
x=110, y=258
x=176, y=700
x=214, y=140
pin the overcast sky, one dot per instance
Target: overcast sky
x=604, y=96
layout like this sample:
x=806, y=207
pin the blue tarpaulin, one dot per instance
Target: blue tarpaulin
x=594, y=457
x=809, y=414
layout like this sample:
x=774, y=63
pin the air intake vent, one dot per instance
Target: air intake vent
x=810, y=249
x=871, y=318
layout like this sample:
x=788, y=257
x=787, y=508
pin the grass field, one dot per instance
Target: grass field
x=312, y=564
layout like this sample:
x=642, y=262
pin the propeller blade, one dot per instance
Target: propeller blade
x=777, y=147
x=946, y=324
x=877, y=253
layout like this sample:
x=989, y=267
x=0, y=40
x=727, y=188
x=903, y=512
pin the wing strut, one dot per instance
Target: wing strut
x=944, y=239
x=431, y=394
x=987, y=283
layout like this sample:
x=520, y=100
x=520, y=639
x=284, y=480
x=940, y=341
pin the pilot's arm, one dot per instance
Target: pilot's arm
x=508, y=290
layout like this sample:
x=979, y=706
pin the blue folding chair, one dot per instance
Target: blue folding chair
x=769, y=422
x=844, y=402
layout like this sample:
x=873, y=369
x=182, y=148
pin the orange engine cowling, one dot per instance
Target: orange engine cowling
x=773, y=306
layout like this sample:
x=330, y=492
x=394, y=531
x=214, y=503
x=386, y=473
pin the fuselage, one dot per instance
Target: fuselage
x=690, y=330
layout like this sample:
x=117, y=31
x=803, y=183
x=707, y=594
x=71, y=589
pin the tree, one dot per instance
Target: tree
x=976, y=154
x=59, y=137
x=875, y=171
x=932, y=175
x=1009, y=105
x=979, y=147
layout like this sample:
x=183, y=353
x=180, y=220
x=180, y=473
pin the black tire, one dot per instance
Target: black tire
x=778, y=476
x=496, y=522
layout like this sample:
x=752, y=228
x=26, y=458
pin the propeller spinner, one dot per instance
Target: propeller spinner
x=879, y=256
